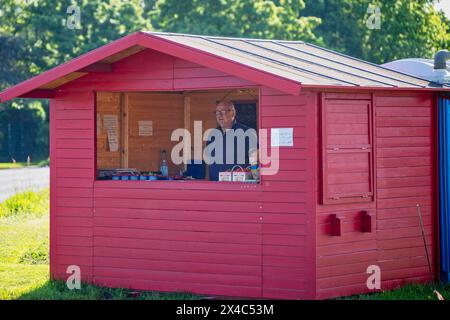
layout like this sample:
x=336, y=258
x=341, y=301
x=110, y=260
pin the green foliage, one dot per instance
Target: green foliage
x=14, y=60
x=408, y=28
x=36, y=254
x=43, y=26
x=24, y=131
x=280, y=19
x=57, y=290
x=28, y=203
x=408, y=292
x=16, y=165
x=35, y=38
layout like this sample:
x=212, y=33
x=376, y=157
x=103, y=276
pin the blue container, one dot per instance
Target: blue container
x=125, y=177
x=141, y=177
x=444, y=186
x=135, y=178
x=116, y=177
x=152, y=178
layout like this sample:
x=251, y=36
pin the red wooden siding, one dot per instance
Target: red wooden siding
x=72, y=171
x=347, y=150
x=288, y=231
x=342, y=260
x=270, y=240
x=403, y=163
x=169, y=237
x=201, y=237
x=152, y=70
x=405, y=170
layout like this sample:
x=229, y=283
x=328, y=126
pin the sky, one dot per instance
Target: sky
x=445, y=6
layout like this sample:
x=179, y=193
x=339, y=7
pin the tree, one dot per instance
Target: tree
x=42, y=24
x=35, y=37
x=280, y=19
x=15, y=59
x=24, y=132
x=408, y=28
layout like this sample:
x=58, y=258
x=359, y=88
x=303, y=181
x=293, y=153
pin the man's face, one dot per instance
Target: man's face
x=225, y=116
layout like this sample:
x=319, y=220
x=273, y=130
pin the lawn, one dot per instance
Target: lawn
x=24, y=269
x=408, y=292
x=16, y=165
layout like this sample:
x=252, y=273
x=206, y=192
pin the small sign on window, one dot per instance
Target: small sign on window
x=282, y=137
x=145, y=128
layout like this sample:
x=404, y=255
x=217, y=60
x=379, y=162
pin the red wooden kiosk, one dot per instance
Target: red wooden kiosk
x=363, y=156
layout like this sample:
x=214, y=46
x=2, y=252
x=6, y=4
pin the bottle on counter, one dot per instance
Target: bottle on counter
x=164, y=168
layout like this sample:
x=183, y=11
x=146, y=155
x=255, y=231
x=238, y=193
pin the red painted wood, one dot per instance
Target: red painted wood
x=211, y=268
x=333, y=261
x=346, y=269
x=342, y=121
x=74, y=212
x=153, y=224
x=178, y=256
x=195, y=288
x=266, y=240
x=53, y=209
x=221, y=64
x=286, y=294
x=178, y=235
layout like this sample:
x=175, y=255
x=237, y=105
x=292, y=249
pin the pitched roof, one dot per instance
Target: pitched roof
x=284, y=65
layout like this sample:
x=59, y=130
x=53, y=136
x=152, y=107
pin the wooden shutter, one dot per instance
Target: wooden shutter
x=347, y=151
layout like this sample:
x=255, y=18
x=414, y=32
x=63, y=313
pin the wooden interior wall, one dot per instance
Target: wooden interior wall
x=165, y=110
x=108, y=103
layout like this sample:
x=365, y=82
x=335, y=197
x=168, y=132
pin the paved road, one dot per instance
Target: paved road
x=13, y=181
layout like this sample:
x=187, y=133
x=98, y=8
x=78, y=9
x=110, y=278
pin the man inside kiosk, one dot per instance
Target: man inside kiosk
x=239, y=142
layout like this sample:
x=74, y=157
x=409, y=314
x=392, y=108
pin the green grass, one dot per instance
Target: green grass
x=26, y=204
x=17, y=165
x=408, y=292
x=17, y=238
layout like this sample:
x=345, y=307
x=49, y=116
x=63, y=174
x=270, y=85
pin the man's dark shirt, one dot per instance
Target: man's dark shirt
x=215, y=168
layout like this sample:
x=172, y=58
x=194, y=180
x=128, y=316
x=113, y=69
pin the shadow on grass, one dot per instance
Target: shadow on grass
x=57, y=290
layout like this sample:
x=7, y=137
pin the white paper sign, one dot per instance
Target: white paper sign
x=145, y=128
x=112, y=141
x=110, y=124
x=282, y=137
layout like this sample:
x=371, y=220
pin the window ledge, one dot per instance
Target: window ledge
x=178, y=184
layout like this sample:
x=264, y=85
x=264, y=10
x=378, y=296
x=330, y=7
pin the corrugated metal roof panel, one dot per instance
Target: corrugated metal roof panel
x=299, y=61
x=247, y=59
x=332, y=64
x=360, y=64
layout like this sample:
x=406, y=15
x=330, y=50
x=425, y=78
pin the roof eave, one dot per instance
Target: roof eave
x=25, y=89
x=219, y=63
x=426, y=89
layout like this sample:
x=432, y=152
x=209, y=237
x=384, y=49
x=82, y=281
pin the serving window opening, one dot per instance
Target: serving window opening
x=190, y=135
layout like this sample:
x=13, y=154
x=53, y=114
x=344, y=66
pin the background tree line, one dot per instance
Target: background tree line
x=34, y=38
